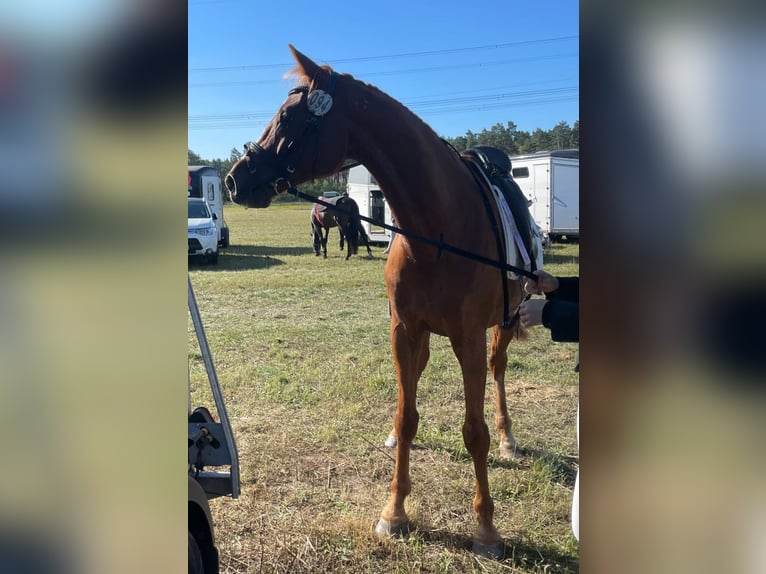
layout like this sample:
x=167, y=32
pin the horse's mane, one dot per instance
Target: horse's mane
x=303, y=79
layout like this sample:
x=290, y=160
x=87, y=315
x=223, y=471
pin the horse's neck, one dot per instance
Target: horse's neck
x=416, y=171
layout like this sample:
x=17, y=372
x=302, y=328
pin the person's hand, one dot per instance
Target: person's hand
x=545, y=283
x=531, y=312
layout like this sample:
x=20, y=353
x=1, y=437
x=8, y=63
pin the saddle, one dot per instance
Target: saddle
x=496, y=166
x=322, y=208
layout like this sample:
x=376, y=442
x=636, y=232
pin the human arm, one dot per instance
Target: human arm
x=559, y=311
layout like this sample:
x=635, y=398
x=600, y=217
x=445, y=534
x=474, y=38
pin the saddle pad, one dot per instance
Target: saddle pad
x=515, y=252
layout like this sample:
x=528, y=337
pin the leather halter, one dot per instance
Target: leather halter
x=283, y=165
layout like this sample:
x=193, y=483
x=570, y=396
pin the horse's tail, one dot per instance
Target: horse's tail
x=353, y=224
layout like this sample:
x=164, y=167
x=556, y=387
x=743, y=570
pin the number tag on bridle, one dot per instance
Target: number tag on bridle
x=319, y=102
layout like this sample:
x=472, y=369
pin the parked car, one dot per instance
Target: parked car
x=328, y=194
x=202, y=232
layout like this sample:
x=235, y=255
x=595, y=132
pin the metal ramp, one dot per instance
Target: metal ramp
x=211, y=442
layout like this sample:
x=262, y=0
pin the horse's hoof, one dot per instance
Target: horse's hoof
x=494, y=551
x=509, y=451
x=390, y=441
x=385, y=529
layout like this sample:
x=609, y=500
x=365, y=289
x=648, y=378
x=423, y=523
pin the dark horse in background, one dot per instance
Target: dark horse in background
x=345, y=218
x=329, y=118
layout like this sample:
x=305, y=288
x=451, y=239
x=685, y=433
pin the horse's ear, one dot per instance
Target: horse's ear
x=306, y=66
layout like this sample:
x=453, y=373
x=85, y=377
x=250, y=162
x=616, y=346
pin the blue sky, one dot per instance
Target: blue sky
x=458, y=65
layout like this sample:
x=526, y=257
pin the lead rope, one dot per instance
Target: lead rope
x=440, y=245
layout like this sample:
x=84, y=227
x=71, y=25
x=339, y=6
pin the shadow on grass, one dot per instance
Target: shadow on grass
x=516, y=553
x=244, y=257
x=558, y=467
x=567, y=257
x=564, y=259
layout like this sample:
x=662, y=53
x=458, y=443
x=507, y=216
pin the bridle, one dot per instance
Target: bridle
x=319, y=103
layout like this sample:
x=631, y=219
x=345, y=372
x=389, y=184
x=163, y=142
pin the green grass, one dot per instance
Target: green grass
x=301, y=348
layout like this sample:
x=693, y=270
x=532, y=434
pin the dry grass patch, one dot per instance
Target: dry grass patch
x=301, y=349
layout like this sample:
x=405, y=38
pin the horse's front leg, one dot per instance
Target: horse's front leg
x=410, y=351
x=470, y=349
x=422, y=360
x=498, y=361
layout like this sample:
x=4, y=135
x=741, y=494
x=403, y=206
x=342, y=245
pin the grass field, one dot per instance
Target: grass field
x=301, y=347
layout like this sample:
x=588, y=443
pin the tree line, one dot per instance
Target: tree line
x=506, y=137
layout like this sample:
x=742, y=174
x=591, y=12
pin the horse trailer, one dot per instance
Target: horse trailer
x=551, y=181
x=205, y=181
x=364, y=190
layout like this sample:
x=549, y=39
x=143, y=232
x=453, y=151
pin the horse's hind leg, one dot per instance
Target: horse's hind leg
x=324, y=241
x=410, y=350
x=349, y=251
x=316, y=237
x=498, y=361
x=363, y=234
x=470, y=350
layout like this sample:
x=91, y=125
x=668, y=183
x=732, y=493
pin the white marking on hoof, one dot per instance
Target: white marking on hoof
x=385, y=529
x=390, y=441
x=494, y=551
x=509, y=450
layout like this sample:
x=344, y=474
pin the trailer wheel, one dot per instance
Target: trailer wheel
x=195, y=557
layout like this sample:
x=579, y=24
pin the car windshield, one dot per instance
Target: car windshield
x=198, y=211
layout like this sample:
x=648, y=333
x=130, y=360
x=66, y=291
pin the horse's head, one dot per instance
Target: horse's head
x=306, y=139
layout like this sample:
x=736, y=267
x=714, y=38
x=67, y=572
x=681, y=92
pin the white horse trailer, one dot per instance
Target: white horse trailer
x=204, y=181
x=364, y=190
x=551, y=181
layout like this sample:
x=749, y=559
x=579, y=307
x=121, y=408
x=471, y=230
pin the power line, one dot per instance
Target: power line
x=426, y=108
x=399, y=72
x=391, y=56
x=413, y=105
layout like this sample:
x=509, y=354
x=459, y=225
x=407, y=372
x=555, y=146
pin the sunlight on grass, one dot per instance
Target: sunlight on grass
x=302, y=350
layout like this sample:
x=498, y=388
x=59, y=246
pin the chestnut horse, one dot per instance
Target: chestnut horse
x=346, y=219
x=330, y=117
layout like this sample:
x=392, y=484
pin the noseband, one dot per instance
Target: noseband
x=319, y=102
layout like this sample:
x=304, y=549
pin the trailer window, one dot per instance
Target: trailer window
x=520, y=172
x=211, y=191
x=377, y=206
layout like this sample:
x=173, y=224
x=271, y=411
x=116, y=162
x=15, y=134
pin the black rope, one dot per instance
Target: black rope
x=440, y=245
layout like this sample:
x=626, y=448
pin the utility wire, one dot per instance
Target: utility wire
x=389, y=56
